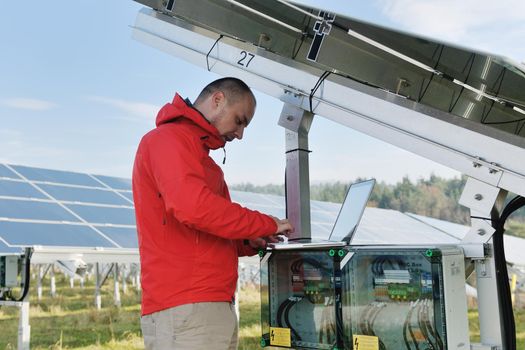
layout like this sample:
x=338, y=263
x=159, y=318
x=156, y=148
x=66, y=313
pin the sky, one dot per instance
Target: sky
x=77, y=92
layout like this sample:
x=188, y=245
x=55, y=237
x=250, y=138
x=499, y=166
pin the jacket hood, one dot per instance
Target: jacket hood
x=179, y=110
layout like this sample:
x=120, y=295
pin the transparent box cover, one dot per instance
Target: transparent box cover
x=337, y=298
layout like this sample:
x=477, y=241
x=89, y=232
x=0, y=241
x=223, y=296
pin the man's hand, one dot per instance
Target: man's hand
x=260, y=243
x=284, y=228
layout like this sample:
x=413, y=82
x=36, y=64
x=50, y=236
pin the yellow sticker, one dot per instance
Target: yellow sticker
x=365, y=342
x=280, y=336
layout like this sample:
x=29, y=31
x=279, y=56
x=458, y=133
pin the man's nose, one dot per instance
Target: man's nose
x=239, y=132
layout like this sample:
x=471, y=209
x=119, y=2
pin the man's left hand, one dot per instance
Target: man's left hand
x=260, y=243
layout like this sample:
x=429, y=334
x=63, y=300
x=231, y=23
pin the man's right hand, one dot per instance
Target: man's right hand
x=283, y=226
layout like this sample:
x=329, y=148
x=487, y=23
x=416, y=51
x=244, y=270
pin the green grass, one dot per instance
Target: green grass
x=70, y=321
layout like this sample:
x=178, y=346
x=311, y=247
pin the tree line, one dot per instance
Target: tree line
x=434, y=197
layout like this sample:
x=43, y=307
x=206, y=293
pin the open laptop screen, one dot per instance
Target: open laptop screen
x=352, y=210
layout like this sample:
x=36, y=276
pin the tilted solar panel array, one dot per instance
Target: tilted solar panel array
x=52, y=208
x=43, y=207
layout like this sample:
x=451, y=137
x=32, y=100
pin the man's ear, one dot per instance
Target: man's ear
x=218, y=98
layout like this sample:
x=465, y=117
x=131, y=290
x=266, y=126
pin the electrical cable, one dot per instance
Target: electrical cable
x=208, y=54
x=423, y=326
x=280, y=311
x=363, y=321
x=405, y=329
x=409, y=317
x=434, y=332
x=508, y=325
x=371, y=326
x=432, y=75
x=471, y=59
x=316, y=86
x=287, y=317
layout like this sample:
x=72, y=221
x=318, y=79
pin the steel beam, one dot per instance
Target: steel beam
x=297, y=122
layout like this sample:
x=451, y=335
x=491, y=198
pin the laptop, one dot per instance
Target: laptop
x=346, y=223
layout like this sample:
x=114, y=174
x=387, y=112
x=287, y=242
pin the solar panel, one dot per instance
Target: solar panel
x=457, y=106
x=78, y=214
x=29, y=234
x=123, y=236
x=56, y=176
x=128, y=195
x=32, y=210
x=42, y=222
x=5, y=172
x=104, y=215
x=19, y=189
x=116, y=183
x=87, y=195
x=5, y=249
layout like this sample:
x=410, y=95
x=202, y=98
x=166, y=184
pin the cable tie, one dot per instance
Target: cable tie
x=480, y=217
x=298, y=149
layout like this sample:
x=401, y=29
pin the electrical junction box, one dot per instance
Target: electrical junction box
x=9, y=268
x=380, y=297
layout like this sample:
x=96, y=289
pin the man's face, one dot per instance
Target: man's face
x=232, y=118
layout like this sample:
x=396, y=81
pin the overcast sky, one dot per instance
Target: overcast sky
x=77, y=92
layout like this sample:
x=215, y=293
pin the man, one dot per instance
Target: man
x=190, y=233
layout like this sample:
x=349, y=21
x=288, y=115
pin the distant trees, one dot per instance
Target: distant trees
x=435, y=197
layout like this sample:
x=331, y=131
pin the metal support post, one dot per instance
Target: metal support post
x=297, y=123
x=137, y=281
x=124, y=275
x=71, y=282
x=116, y=288
x=482, y=199
x=24, y=329
x=53, y=288
x=98, y=298
x=39, y=282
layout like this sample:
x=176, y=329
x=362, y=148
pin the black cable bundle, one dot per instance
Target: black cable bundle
x=502, y=275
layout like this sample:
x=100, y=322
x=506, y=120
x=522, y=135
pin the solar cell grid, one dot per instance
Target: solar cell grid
x=87, y=195
x=5, y=172
x=19, y=189
x=254, y=198
x=29, y=234
x=104, y=215
x=123, y=236
x=33, y=210
x=117, y=183
x=56, y=176
x=128, y=195
x=6, y=249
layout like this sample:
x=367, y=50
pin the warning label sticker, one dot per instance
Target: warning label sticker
x=365, y=342
x=280, y=336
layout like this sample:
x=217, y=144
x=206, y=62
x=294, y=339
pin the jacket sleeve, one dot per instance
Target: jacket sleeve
x=176, y=167
x=245, y=249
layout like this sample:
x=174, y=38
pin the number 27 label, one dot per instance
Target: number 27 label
x=246, y=59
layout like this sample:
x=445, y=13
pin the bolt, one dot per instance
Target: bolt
x=483, y=273
x=476, y=164
x=289, y=118
x=481, y=232
x=478, y=196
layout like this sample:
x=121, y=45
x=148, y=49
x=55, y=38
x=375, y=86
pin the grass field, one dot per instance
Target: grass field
x=70, y=320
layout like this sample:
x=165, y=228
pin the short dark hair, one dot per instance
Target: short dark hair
x=232, y=88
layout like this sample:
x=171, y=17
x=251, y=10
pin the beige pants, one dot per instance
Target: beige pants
x=196, y=326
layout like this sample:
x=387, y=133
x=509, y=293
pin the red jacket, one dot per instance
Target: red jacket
x=190, y=233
